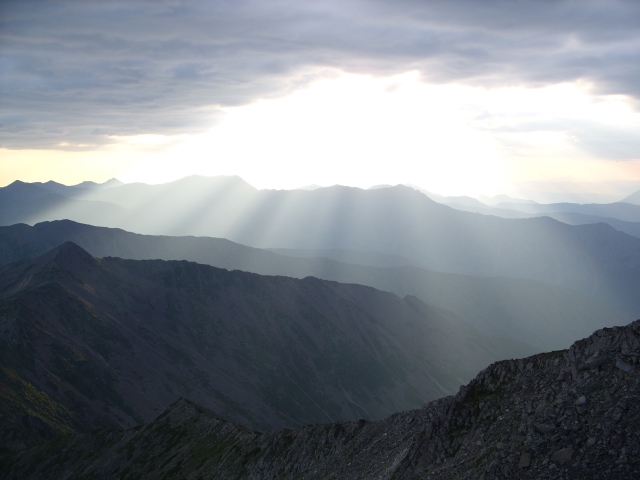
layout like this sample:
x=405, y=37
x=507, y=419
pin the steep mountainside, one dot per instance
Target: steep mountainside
x=89, y=343
x=595, y=260
x=571, y=414
x=541, y=316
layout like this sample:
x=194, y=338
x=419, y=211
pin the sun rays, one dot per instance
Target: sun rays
x=359, y=130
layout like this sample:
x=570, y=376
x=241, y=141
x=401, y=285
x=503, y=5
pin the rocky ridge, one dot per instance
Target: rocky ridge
x=90, y=343
x=569, y=414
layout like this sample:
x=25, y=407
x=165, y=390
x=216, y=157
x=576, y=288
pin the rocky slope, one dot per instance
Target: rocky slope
x=109, y=343
x=570, y=414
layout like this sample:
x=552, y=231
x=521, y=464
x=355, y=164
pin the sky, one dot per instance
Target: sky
x=458, y=97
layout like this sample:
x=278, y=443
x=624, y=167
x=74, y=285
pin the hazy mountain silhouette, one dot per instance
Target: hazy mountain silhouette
x=570, y=218
x=32, y=203
x=60, y=189
x=112, y=182
x=453, y=200
x=91, y=343
x=625, y=211
x=502, y=198
x=634, y=198
x=354, y=257
x=534, y=315
x=313, y=186
x=630, y=228
x=595, y=260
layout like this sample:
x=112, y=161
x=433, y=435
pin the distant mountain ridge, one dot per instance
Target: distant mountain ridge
x=634, y=198
x=502, y=198
x=569, y=217
x=31, y=203
x=623, y=211
x=594, y=260
x=535, y=316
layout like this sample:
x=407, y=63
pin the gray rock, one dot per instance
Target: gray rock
x=525, y=460
x=596, y=361
x=625, y=367
x=562, y=456
x=544, y=428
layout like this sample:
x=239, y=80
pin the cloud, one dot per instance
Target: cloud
x=80, y=73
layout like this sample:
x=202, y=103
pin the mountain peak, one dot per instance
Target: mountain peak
x=20, y=190
x=112, y=182
x=68, y=254
x=16, y=183
x=634, y=198
x=71, y=248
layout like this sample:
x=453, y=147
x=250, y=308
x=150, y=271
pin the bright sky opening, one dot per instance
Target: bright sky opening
x=359, y=130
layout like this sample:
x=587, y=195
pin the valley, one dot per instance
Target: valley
x=348, y=342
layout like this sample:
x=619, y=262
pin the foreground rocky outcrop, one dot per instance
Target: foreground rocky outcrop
x=570, y=414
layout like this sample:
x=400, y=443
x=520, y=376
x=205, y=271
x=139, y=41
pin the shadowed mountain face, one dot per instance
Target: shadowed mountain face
x=535, y=316
x=571, y=414
x=595, y=260
x=91, y=343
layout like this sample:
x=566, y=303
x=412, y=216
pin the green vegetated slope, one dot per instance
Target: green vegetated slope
x=109, y=343
x=569, y=414
x=535, y=316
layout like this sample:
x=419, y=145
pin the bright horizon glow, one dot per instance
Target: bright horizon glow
x=360, y=131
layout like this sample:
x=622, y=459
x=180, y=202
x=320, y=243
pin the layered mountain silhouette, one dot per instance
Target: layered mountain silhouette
x=318, y=306
x=571, y=414
x=32, y=203
x=624, y=211
x=565, y=216
x=634, y=198
x=109, y=343
x=534, y=316
x=594, y=259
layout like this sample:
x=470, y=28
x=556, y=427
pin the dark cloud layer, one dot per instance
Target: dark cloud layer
x=78, y=72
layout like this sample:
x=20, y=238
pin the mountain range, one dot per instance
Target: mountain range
x=624, y=216
x=278, y=309
x=595, y=259
x=533, y=315
x=109, y=343
x=633, y=198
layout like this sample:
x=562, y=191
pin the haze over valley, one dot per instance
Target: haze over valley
x=320, y=240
